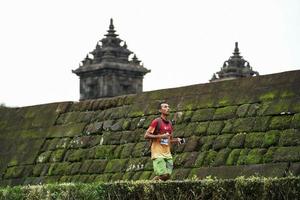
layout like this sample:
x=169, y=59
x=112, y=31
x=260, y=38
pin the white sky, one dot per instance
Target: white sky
x=182, y=42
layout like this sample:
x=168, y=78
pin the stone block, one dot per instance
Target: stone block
x=296, y=121
x=210, y=158
x=14, y=172
x=104, y=151
x=58, y=169
x=228, y=126
x=76, y=155
x=107, y=125
x=221, y=157
x=62, y=143
x=203, y=115
x=200, y=158
x=201, y=128
x=255, y=156
x=189, y=129
x=191, y=144
x=278, y=107
x=280, y=122
x=110, y=138
x=243, y=124
x=233, y=157
x=180, y=174
x=103, y=178
x=221, y=141
x=242, y=110
x=57, y=156
x=97, y=166
x=243, y=156
x=116, y=165
x=237, y=140
x=287, y=154
x=126, y=124
x=271, y=138
x=290, y=137
x=294, y=169
x=261, y=123
x=206, y=142
x=127, y=150
x=44, y=157
x=93, y=128
x=224, y=113
x=268, y=157
x=145, y=175
x=130, y=136
x=254, y=140
x=253, y=110
x=215, y=127
x=85, y=166
x=68, y=130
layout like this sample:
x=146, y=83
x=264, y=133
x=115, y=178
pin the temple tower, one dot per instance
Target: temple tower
x=107, y=70
x=234, y=67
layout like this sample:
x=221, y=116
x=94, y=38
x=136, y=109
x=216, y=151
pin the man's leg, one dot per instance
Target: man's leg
x=162, y=168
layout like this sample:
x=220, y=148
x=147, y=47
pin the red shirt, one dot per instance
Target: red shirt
x=161, y=147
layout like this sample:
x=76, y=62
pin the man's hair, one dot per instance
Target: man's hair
x=159, y=104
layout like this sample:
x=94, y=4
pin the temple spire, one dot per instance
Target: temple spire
x=235, y=67
x=111, y=31
x=236, y=49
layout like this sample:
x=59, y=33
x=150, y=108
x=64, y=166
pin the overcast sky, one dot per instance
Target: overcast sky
x=182, y=42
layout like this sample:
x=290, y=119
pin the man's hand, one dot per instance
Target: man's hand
x=165, y=136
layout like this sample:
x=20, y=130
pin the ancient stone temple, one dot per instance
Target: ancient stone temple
x=234, y=67
x=107, y=70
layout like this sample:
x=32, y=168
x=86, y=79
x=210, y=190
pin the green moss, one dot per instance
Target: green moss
x=263, y=108
x=187, y=116
x=180, y=174
x=287, y=94
x=116, y=165
x=139, y=149
x=85, y=166
x=104, y=151
x=127, y=150
x=255, y=156
x=296, y=121
x=58, y=169
x=191, y=144
x=97, y=166
x=233, y=157
x=14, y=172
x=201, y=128
x=111, y=139
x=180, y=159
x=206, y=142
x=280, y=122
x=228, y=126
x=268, y=96
x=242, y=110
x=117, y=152
x=222, y=141
x=130, y=136
x=126, y=124
x=44, y=157
x=278, y=107
x=215, y=127
x=57, y=156
x=243, y=157
x=290, y=137
x=243, y=124
x=210, y=158
x=254, y=140
x=287, y=154
x=189, y=129
x=268, y=157
x=261, y=123
x=76, y=155
x=237, y=141
x=203, y=115
x=253, y=110
x=221, y=157
x=227, y=112
x=145, y=175
x=103, y=178
x=200, y=159
x=271, y=138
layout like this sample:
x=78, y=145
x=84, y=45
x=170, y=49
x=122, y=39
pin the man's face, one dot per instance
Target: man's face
x=165, y=109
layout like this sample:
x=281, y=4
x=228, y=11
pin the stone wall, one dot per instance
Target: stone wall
x=242, y=127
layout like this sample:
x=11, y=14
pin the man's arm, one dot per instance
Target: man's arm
x=149, y=134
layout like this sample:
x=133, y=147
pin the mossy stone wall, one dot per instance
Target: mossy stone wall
x=242, y=127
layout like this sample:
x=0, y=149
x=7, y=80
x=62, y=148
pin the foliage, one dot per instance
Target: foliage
x=208, y=188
